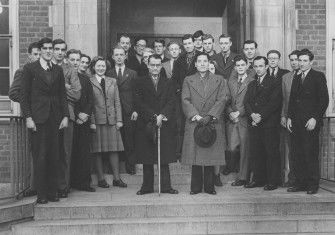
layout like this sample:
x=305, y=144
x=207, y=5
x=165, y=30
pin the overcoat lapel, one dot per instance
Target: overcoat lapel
x=197, y=85
x=244, y=84
x=95, y=82
x=212, y=86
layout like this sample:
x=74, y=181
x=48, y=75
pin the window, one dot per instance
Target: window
x=5, y=40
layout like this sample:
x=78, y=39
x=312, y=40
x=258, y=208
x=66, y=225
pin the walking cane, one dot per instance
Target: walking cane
x=159, y=160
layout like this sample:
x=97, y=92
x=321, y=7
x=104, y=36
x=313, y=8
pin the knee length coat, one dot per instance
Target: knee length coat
x=149, y=102
x=210, y=101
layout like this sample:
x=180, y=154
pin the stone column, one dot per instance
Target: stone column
x=273, y=26
x=81, y=27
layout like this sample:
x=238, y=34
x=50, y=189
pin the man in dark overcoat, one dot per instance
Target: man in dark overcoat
x=155, y=103
x=308, y=102
x=44, y=105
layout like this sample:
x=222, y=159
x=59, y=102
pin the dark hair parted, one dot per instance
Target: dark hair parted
x=207, y=36
x=32, y=46
x=123, y=35
x=198, y=34
x=200, y=54
x=160, y=40
x=225, y=36
x=250, y=42
x=86, y=56
x=154, y=56
x=94, y=61
x=187, y=36
x=239, y=58
x=44, y=41
x=273, y=52
x=59, y=41
x=262, y=58
x=73, y=51
x=295, y=52
x=307, y=52
x=139, y=39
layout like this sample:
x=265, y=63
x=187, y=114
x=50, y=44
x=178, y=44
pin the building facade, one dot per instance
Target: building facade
x=93, y=26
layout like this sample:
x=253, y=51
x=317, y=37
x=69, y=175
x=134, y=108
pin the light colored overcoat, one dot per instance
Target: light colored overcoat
x=210, y=101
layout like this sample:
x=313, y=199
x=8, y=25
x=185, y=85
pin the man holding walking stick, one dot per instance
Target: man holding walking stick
x=155, y=103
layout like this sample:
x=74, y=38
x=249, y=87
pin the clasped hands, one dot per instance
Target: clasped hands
x=202, y=120
x=233, y=116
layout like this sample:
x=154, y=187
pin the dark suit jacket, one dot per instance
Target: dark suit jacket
x=14, y=90
x=222, y=68
x=39, y=99
x=85, y=104
x=182, y=70
x=126, y=87
x=310, y=99
x=266, y=100
x=134, y=64
x=280, y=73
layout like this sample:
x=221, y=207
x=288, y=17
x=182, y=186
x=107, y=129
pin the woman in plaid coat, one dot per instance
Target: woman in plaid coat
x=106, y=121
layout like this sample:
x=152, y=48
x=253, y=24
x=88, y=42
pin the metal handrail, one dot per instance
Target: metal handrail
x=19, y=161
x=327, y=149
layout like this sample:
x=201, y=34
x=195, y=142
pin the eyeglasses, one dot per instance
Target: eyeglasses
x=155, y=65
x=273, y=58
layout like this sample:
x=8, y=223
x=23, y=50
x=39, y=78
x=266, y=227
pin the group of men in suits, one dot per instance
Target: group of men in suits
x=269, y=117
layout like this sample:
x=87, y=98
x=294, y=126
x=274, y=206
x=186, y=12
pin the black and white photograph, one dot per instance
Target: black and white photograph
x=167, y=117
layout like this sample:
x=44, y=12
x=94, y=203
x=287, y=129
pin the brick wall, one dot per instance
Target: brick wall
x=4, y=151
x=34, y=24
x=311, y=31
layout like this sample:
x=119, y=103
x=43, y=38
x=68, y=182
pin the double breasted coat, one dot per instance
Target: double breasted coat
x=150, y=102
x=223, y=68
x=210, y=101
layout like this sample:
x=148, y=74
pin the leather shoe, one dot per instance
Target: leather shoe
x=62, y=194
x=217, y=180
x=270, y=187
x=226, y=171
x=142, y=192
x=194, y=192
x=211, y=192
x=42, y=201
x=253, y=184
x=103, y=184
x=312, y=191
x=296, y=189
x=119, y=183
x=170, y=191
x=53, y=198
x=239, y=183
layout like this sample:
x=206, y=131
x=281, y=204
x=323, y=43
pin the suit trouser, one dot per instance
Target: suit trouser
x=202, y=178
x=305, y=155
x=45, y=152
x=180, y=120
x=240, y=139
x=285, y=155
x=265, y=156
x=81, y=156
x=65, y=158
x=148, y=177
x=128, y=139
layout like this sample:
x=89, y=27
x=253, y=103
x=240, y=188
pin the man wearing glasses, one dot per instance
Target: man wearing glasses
x=44, y=105
x=155, y=103
x=135, y=60
x=274, y=70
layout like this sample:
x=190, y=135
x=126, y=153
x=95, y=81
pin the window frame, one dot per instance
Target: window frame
x=13, y=36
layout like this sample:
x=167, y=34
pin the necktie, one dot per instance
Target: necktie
x=155, y=80
x=119, y=74
x=273, y=73
x=302, y=77
x=103, y=86
x=239, y=83
x=49, y=66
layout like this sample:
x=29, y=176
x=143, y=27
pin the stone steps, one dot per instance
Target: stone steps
x=292, y=224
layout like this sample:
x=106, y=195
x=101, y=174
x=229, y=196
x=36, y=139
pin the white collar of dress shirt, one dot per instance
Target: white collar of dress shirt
x=44, y=63
x=244, y=76
x=275, y=70
x=99, y=77
x=122, y=68
x=262, y=78
x=306, y=72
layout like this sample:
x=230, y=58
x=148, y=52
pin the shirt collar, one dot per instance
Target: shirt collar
x=261, y=78
x=306, y=72
x=117, y=67
x=244, y=76
x=227, y=54
x=44, y=63
x=99, y=78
